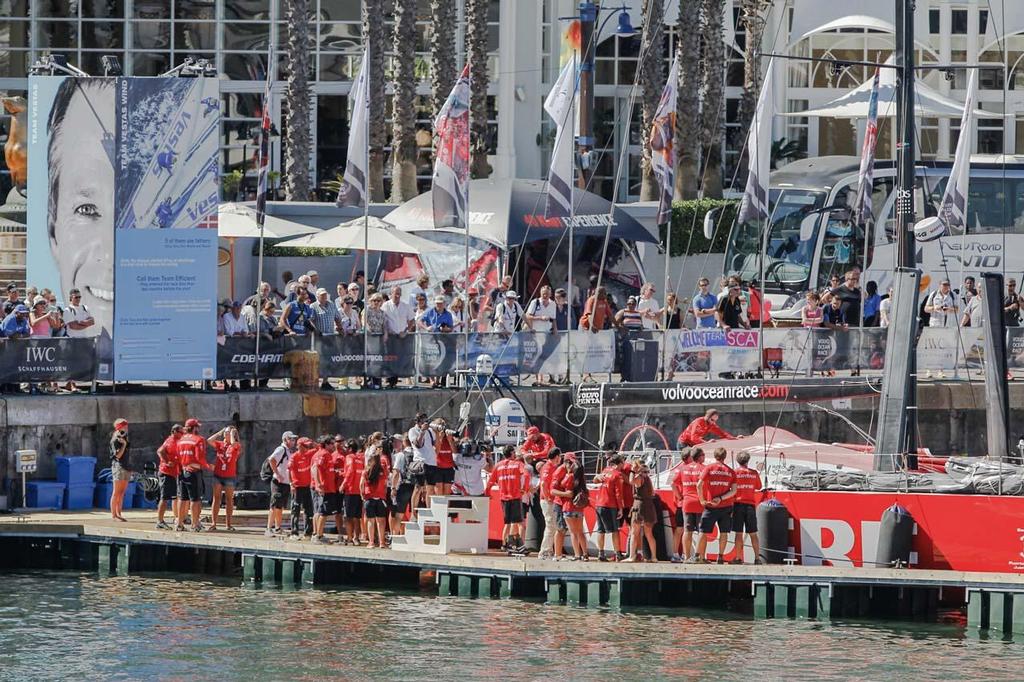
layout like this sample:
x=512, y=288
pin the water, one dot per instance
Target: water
x=72, y=626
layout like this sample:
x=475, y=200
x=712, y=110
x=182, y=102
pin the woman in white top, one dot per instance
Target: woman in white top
x=648, y=306
x=458, y=312
x=885, y=309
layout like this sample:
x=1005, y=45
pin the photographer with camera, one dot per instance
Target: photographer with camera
x=472, y=462
x=423, y=439
x=445, y=449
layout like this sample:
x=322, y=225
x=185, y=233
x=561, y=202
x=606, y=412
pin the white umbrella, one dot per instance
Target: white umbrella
x=238, y=221
x=380, y=236
x=854, y=104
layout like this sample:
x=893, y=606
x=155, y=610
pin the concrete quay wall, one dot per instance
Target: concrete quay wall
x=952, y=419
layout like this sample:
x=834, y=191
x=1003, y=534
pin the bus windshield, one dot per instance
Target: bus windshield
x=788, y=259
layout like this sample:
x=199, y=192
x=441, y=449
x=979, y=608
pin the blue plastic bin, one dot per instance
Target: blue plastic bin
x=72, y=470
x=44, y=494
x=139, y=501
x=101, y=497
x=79, y=495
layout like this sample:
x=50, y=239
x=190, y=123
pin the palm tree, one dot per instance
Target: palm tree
x=753, y=18
x=403, y=130
x=297, y=149
x=712, y=92
x=374, y=30
x=688, y=139
x=653, y=78
x=442, y=52
x=476, y=52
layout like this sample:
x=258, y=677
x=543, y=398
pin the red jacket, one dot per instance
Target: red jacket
x=226, y=462
x=678, y=488
x=355, y=462
x=610, y=492
x=690, y=474
x=169, y=462
x=698, y=430
x=566, y=484
x=325, y=471
x=189, y=452
x=715, y=481
x=546, y=479
x=298, y=468
x=748, y=482
x=538, y=447
x=512, y=479
x=378, y=490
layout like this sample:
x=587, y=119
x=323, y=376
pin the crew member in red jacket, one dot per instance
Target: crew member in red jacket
x=609, y=505
x=355, y=463
x=537, y=445
x=192, y=458
x=338, y=454
x=744, y=514
x=680, y=549
x=716, y=489
x=702, y=430
x=168, y=473
x=324, y=487
x=512, y=480
x=299, y=465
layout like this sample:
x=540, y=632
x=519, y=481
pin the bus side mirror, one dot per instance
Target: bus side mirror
x=710, y=218
x=807, y=227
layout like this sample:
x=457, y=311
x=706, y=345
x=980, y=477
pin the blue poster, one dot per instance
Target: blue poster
x=165, y=274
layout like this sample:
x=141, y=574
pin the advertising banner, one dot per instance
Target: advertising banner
x=341, y=355
x=132, y=157
x=24, y=360
x=236, y=356
x=713, y=350
x=437, y=355
x=937, y=348
x=165, y=277
x=1015, y=347
x=717, y=392
x=394, y=358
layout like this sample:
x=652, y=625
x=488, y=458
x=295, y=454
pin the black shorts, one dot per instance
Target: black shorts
x=323, y=503
x=560, y=523
x=189, y=488
x=337, y=502
x=607, y=519
x=722, y=516
x=692, y=520
x=168, y=487
x=353, y=507
x=432, y=475
x=446, y=475
x=403, y=498
x=376, y=509
x=512, y=510
x=279, y=495
x=744, y=518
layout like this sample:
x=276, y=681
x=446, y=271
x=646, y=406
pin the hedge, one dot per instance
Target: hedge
x=688, y=217
x=271, y=249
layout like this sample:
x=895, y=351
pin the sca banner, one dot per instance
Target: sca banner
x=713, y=350
x=47, y=360
x=135, y=157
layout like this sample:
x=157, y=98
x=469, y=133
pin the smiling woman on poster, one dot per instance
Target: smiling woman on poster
x=80, y=207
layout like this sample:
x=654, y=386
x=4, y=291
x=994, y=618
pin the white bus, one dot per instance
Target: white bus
x=811, y=237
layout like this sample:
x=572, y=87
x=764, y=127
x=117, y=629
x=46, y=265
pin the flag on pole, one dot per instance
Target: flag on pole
x=862, y=203
x=663, y=151
x=263, y=155
x=353, y=185
x=953, y=208
x=450, y=192
x=754, y=206
x=559, y=105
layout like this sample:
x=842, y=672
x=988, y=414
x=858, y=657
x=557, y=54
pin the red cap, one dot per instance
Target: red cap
x=120, y=422
x=191, y=421
x=569, y=456
x=305, y=443
x=532, y=431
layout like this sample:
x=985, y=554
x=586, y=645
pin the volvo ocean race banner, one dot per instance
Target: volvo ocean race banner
x=165, y=278
x=135, y=158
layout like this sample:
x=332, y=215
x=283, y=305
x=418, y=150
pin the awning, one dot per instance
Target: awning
x=510, y=213
x=813, y=16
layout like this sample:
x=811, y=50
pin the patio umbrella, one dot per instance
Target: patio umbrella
x=238, y=221
x=380, y=236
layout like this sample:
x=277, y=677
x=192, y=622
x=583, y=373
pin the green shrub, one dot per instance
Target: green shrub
x=688, y=225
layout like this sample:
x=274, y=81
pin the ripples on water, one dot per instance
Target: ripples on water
x=74, y=626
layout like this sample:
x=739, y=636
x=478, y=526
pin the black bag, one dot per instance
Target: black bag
x=266, y=471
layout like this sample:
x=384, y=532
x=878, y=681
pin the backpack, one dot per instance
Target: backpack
x=267, y=471
x=581, y=499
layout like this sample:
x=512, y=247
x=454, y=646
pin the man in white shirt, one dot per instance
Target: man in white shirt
x=648, y=307
x=280, y=485
x=422, y=438
x=941, y=306
x=541, y=312
x=974, y=311
x=399, y=320
x=509, y=314
x=80, y=323
x=470, y=466
x=235, y=323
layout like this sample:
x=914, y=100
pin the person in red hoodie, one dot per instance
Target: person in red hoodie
x=445, y=451
x=374, y=488
x=608, y=504
x=680, y=550
x=324, y=487
x=338, y=454
x=168, y=473
x=716, y=489
x=548, y=503
x=228, y=449
x=537, y=445
x=744, y=514
x=692, y=507
x=355, y=463
x=512, y=479
x=302, y=497
x=702, y=430
x=575, y=499
x=561, y=481
x=192, y=458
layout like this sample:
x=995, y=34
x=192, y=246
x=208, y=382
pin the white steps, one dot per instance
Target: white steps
x=457, y=524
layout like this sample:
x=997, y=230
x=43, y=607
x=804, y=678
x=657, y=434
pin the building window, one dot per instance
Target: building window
x=982, y=22
x=959, y=26
x=933, y=21
x=798, y=127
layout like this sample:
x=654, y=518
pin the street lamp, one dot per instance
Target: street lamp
x=589, y=14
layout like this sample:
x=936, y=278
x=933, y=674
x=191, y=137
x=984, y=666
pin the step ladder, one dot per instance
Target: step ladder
x=452, y=523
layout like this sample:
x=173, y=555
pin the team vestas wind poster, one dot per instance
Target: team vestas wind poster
x=128, y=216
x=450, y=191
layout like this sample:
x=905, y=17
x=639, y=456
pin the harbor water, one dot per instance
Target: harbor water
x=69, y=625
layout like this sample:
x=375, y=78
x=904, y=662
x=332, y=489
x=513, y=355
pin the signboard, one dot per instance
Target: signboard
x=40, y=360
x=722, y=392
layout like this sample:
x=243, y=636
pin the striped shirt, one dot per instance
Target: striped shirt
x=324, y=317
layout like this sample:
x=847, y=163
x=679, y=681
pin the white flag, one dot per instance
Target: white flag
x=450, y=191
x=759, y=150
x=353, y=186
x=953, y=209
x=559, y=106
x=663, y=151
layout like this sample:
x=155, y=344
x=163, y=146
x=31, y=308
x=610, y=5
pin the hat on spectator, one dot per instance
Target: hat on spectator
x=311, y=273
x=533, y=430
x=236, y=304
x=287, y=435
x=191, y=421
x=511, y=294
x=11, y=286
x=21, y=308
x=352, y=286
x=120, y=422
x=37, y=300
x=439, y=299
x=321, y=290
x=305, y=442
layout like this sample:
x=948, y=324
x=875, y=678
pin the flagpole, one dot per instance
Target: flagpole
x=570, y=294
x=261, y=190
x=366, y=220
x=466, y=283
